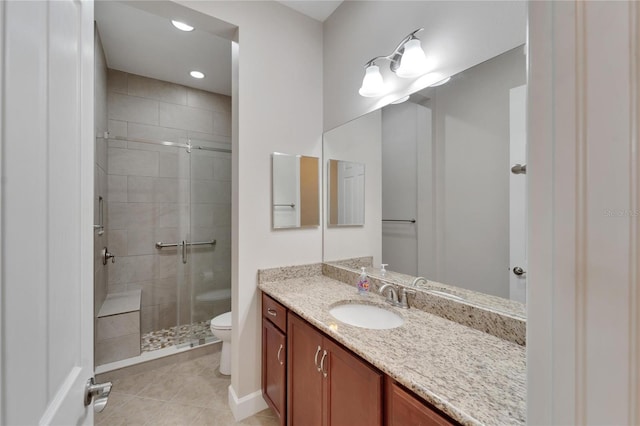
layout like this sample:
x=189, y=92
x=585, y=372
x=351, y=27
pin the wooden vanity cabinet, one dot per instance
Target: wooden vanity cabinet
x=404, y=409
x=328, y=385
x=274, y=356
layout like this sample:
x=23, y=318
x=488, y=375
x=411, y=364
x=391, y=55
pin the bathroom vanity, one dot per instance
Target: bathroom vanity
x=429, y=370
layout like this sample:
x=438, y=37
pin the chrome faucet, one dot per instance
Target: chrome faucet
x=392, y=297
x=418, y=280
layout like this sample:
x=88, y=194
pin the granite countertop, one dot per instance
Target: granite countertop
x=474, y=377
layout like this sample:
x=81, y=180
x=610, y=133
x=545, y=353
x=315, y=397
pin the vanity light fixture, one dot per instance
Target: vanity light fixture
x=441, y=82
x=407, y=61
x=182, y=26
x=196, y=74
x=401, y=100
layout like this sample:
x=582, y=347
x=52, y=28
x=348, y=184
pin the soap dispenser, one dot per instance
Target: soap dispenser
x=383, y=270
x=363, y=282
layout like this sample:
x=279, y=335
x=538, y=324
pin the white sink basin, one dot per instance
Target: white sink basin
x=366, y=316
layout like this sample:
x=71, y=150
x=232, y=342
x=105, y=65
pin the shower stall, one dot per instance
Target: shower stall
x=162, y=214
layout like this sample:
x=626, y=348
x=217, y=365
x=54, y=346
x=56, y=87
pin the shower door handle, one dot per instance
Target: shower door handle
x=184, y=251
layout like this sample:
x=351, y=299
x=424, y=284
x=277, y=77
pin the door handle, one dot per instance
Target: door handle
x=280, y=350
x=324, y=355
x=184, y=251
x=98, y=393
x=519, y=271
x=315, y=359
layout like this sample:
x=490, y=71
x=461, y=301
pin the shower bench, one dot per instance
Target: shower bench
x=118, y=327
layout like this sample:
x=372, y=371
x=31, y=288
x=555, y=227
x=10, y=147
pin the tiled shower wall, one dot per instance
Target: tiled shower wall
x=155, y=191
x=100, y=171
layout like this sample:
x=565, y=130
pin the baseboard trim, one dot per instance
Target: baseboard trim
x=246, y=406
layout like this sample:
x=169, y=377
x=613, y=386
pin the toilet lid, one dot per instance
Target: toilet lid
x=222, y=321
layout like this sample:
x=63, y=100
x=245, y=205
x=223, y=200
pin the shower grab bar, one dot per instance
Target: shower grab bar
x=100, y=225
x=293, y=206
x=400, y=220
x=160, y=245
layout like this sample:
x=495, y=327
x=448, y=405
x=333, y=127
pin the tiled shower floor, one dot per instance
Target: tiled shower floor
x=175, y=336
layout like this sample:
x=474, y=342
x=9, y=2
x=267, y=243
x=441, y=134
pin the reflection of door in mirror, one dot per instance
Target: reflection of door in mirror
x=346, y=193
x=517, y=195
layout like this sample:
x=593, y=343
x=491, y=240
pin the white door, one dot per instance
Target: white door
x=47, y=190
x=517, y=195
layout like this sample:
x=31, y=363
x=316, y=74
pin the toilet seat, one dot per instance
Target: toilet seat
x=222, y=321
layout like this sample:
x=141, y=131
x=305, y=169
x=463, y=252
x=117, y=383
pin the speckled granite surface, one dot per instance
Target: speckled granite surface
x=286, y=272
x=474, y=377
x=494, y=315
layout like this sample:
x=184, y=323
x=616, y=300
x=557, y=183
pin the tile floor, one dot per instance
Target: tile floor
x=184, y=393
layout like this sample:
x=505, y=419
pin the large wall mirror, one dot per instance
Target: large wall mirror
x=295, y=187
x=441, y=190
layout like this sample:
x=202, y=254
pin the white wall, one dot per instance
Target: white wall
x=404, y=128
x=472, y=152
x=279, y=104
x=359, y=141
x=459, y=34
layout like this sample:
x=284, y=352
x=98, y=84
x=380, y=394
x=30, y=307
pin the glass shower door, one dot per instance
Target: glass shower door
x=206, y=285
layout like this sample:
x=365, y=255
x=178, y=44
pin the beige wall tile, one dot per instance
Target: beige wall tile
x=118, y=325
x=222, y=123
x=117, y=242
x=117, y=188
x=187, y=118
x=116, y=81
x=156, y=89
x=201, y=167
x=168, y=165
x=118, y=128
x=147, y=131
x=140, y=241
x=210, y=137
x=131, y=108
x=222, y=169
x=140, y=189
x=128, y=269
x=118, y=348
x=207, y=100
x=158, y=317
x=140, y=215
x=133, y=162
x=117, y=215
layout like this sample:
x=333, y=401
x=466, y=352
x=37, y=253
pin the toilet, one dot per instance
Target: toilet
x=221, y=328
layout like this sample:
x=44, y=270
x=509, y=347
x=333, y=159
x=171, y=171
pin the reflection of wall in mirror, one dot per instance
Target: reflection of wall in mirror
x=462, y=189
x=357, y=141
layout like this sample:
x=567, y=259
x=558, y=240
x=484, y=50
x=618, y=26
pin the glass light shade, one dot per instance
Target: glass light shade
x=196, y=74
x=413, y=62
x=372, y=84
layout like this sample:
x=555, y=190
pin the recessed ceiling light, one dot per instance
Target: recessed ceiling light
x=196, y=74
x=181, y=25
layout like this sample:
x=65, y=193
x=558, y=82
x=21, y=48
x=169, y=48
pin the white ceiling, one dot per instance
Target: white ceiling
x=319, y=10
x=144, y=42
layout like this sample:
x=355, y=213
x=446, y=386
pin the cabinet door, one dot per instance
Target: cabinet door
x=353, y=390
x=304, y=403
x=274, y=368
x=404, y=409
